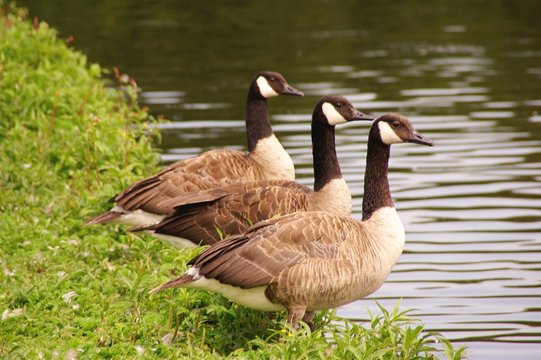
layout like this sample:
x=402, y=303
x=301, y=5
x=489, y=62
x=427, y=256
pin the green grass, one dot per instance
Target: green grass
x=69, y=139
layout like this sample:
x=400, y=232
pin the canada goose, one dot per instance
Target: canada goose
x=232, y=209
x=266, y=159
x=304, y=262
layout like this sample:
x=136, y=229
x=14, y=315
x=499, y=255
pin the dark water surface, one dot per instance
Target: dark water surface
x=467, y=73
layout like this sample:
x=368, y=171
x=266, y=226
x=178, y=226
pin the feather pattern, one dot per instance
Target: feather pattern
x=304, y=260
x=207, y=171
x=205, y=217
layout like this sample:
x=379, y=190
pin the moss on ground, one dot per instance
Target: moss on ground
x=69, y=139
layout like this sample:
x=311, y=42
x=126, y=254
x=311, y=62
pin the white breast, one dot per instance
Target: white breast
x=276, y=162
x=386, y=227
x=334, y=197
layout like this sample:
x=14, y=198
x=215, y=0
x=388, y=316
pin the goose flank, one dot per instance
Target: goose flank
x=309, y=261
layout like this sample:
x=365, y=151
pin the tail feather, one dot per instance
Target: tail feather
x=104, y=218
x=173, y=283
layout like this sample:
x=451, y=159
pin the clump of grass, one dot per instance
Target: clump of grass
x=390, y=335
x=68, y=142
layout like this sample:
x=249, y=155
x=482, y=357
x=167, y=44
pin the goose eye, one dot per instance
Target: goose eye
x=397, y=124
x=338, y=105
x=272, y=78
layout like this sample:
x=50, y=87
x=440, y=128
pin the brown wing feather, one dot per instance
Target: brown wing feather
x=216, y=193
x=200, y=215
x=269, y=248
x=209, y=170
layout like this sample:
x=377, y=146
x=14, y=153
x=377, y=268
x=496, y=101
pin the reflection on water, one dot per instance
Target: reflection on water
x=470, y=205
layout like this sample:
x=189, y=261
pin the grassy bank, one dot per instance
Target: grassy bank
x=67, y=143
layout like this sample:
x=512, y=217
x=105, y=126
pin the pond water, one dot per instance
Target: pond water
x=468, y=75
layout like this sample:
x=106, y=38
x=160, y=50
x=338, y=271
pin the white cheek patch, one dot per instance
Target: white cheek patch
x=388, y=136
x=333, y=116
x=265, y=89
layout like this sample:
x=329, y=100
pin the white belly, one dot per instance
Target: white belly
x=178, y=242
x=137, y=218
x=253, y=298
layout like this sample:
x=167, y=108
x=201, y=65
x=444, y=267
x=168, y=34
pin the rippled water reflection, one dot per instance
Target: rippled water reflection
x=468, y=76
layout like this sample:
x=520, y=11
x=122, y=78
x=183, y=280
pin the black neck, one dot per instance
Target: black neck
x=376, y=184
x=326, y=167
x=257, y=118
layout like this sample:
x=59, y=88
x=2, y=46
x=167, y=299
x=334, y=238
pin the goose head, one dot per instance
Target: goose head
x=338, y=110
x=270, y=84
x=395, y=129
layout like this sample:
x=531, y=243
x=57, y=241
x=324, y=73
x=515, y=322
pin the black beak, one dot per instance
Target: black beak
x=290, y=90
x=420, y=139
x=357, y=115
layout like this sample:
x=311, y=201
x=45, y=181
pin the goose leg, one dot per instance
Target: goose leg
x=307, y=318
x=294, y=314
